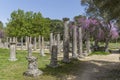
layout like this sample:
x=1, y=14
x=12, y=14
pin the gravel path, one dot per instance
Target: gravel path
x=98, y=67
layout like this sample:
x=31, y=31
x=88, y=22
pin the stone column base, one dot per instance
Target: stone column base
x=33, y=73
x=12, y=59
x=66, y=60
x=53, y=66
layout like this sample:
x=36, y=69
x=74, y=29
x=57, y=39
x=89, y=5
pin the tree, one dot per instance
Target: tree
x=16, y=24
x=28, y=23
x=56, y=26
x=106, y=11
x=1, y=25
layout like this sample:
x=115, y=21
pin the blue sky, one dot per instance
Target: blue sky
x=54, y=9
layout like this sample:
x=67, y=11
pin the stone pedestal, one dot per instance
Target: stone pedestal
x=53, y=61
x=33, y=70
x=12, y=51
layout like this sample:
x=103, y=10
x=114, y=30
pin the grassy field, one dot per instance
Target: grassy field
x=14, y=70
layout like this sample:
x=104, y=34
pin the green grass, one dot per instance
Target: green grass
x=99, y=53
x=114, y=45
x=14, y=70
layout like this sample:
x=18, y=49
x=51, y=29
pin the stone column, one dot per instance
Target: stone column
x=53, y=61
x=21, y=43
x=88, y=44
x=7, y=42
x=39, y=42
x=30, y=50
x=66, y=41
x=80, y=48
x=51, y=42
x=54, y=40
x=30, y=40
x=12, y=51
x=74, y=44
x=1, y=45
x=14, y=39
x=0, y=40
x=42, y=47
x=58, y=42
x=27, y=42
x=35, y=43
x=33, y=70
x=10, y=40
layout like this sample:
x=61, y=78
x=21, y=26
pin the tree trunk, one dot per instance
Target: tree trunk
x=96, y=46
x=106, y=45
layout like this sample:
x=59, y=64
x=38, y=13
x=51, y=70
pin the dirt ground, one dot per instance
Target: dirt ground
x=98, y=67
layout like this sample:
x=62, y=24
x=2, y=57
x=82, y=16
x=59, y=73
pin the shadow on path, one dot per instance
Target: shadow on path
x=85, y=70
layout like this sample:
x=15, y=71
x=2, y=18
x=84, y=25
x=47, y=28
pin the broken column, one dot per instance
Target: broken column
x=12, y=51
x=33, y=70
x=53, y=61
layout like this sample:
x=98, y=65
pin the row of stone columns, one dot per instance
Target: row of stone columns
x=77, y=43
x=28, y=40
x=55, y=40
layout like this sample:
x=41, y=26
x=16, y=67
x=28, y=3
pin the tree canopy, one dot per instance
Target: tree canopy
x=28, y=24
x=107, y=9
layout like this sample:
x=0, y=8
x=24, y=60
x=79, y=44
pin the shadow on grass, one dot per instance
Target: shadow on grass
x=63, y=70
